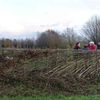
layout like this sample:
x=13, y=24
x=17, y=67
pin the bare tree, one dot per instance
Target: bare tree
x=69, y=37
x=49, y=39
x=42, y=41
x=14, y=43
x=92, y=29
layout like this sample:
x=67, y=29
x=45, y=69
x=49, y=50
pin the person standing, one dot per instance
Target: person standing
x=77, y=46
x=92, y=47
x=98, y=44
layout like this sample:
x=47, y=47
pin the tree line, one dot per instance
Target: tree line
x=53, y=39
x=47, y=39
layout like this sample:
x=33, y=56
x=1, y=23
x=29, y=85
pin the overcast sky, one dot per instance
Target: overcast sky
x=18, y=17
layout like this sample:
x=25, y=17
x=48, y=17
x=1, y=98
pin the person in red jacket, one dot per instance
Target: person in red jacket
x=92, y=46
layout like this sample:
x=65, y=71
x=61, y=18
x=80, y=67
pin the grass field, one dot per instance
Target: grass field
x=53, y=98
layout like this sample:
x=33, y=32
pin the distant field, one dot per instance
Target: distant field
x=53, y=98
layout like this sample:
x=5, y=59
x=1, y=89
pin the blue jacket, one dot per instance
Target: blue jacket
x=98, y=46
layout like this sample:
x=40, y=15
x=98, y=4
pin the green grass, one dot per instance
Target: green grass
x=59, y=97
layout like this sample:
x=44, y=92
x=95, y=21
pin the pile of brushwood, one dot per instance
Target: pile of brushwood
x=67, y=74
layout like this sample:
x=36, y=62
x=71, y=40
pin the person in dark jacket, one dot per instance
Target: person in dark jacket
x=85, y=47
x=77, y=46
x=98, y=45
x=76, y=51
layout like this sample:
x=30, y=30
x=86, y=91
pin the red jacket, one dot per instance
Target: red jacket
x=92, y=47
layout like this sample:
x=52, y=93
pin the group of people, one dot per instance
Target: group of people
x=91, y=46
